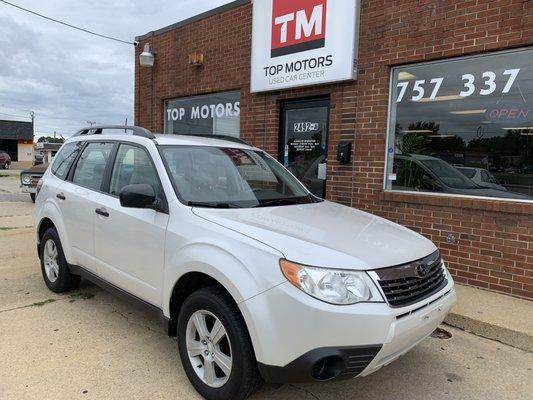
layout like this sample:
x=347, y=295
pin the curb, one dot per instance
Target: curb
x=520, y=340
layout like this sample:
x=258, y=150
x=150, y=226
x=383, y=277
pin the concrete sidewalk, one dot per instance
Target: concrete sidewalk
x=493, y=316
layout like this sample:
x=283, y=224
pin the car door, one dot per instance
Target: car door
x=129, y=242
x=78, y=198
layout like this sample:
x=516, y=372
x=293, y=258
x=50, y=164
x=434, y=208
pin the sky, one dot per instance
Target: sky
x=67, y=77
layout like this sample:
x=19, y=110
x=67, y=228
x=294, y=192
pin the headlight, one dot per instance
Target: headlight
x=26, y=179
x=331, y=285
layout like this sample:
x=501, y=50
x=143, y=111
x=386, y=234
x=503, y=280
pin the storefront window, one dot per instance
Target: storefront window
x=463, y=127
x=217, y=114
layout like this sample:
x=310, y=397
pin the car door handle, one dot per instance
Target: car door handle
x=61, y=196
x=102, y=211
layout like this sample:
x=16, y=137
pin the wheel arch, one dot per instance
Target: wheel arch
x=45, y=224
x=50, y=217
x=186, y=285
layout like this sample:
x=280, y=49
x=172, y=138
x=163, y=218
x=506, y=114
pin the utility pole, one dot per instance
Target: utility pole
x=91, y=123
x=32, y=116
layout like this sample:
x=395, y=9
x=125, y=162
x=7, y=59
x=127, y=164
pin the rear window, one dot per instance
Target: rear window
x=64, y=159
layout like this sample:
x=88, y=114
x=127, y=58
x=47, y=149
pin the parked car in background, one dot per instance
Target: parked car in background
x=526, y=169
x=420, y=173
x=482, y=177
x=30, y=178
x=38, y=159
x=257, y=278
x=5, y=160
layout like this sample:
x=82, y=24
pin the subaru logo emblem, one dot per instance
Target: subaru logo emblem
x=422, y=270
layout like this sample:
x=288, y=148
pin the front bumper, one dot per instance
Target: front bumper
x=295, y=335
x=28, y=189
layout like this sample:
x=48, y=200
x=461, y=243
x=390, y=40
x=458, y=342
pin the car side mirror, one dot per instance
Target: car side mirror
x=138, y=196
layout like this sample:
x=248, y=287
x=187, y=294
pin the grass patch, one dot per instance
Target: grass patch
x=42, y=303
x=81, y=295
x=10, y=228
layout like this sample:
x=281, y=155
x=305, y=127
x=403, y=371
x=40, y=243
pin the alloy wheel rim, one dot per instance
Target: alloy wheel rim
x=209, y=348
x=50, y=259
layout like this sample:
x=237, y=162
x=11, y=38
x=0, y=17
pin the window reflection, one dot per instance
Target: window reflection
x=464, y=127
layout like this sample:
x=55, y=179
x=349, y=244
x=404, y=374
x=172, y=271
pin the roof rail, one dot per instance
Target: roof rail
x=121, y=130
x=220, y=137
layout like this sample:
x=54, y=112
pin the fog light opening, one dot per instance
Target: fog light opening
x=327, y=368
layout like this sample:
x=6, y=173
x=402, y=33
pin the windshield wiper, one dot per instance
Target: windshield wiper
x=285, y=202
x=212, y=204
x=314, y=199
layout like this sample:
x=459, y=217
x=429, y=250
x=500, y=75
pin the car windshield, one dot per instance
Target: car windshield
x=231, y=178
x=448, y=174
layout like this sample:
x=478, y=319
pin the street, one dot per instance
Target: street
x=91, y=345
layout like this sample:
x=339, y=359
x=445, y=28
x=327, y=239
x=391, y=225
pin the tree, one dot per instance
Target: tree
x=50, y=139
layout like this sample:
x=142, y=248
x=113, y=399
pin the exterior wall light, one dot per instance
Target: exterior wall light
x=147, y=58
x=196, y=59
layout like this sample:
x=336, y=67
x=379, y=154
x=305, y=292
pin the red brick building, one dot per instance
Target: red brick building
x=439, y=117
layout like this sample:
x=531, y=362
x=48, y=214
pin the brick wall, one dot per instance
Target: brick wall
x=493, y=246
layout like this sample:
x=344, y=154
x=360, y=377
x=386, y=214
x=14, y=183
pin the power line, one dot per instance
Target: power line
x=44, y=116
x=13, y=115
x=66, y=24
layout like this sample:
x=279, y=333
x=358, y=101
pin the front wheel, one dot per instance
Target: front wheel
x=6, y=166
x=215, y=347
x=32, y=196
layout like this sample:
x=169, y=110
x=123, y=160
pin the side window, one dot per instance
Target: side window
x=64, y=159
x=90, y=169
x=133, y=166
x=492, y=179
x=485, y=177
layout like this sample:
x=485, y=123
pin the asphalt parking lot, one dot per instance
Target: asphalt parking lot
x=91, y=345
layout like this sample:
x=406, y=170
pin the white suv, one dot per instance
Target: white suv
x=258, y=279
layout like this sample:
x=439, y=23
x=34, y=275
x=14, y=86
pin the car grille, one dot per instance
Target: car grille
x=407, y=284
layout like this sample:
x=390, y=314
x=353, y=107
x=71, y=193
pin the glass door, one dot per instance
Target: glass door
x=304, y=141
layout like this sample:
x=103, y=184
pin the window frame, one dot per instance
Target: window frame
x=106, y=184
x=106, y=179
x=80, y=146
x=74, y=165
x=392, y=70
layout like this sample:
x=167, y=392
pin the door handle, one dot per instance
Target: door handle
x=102, y=211
x=61, y=196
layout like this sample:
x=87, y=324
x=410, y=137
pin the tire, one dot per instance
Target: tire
x=56, y=273
x=32, y=195
x=244, y=378
x=6, y=166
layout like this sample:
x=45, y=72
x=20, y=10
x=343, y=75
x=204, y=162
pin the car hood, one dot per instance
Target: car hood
x=37, y=169
x=325, y=234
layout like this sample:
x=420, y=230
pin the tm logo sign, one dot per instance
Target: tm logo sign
x=298, y=25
